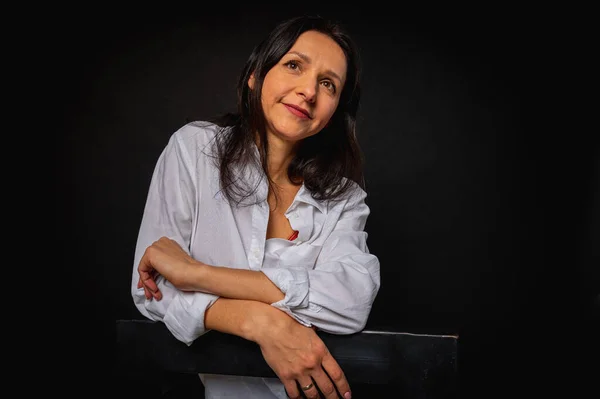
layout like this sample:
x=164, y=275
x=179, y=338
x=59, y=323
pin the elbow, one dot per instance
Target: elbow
x=359, y=323
x=346, y=323
x=187, y=339
x=361, y=309
x=352, y=328
x=349, y=326
x=356, y=320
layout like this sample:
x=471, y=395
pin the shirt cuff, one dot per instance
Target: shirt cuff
x=185, y=315
x=293, y=283
x=181, y=311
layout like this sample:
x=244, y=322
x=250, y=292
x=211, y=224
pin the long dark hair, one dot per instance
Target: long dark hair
x=327, y=162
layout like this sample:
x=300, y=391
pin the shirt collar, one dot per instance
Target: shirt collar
x=305, y=196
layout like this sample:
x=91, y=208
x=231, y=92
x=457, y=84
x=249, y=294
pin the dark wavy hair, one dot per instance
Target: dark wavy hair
x=327, y=162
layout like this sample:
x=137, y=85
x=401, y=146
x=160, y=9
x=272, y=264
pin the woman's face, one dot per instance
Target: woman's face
x=301, y=92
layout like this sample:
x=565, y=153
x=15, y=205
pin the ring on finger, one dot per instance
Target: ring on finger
x=307, y=387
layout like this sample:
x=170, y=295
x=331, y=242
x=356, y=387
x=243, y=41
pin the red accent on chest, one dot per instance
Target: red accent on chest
x=293, y=236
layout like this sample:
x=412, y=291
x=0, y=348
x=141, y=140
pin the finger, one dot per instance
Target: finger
x=147, y=293
x=151, y=289
x=147, y=273
x=324, y=384
x=308, y=387
x=139, y=284
x=335, y=373
x=150, y=294
x=291, y=388
x=156, y=293
x=148, y=280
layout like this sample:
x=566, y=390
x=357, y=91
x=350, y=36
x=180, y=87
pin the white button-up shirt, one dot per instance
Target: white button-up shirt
x=327, y=274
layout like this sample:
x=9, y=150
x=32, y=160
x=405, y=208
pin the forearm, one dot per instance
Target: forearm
x=244, y=318
x=236, y=284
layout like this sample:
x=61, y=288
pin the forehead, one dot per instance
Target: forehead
x=323, y=52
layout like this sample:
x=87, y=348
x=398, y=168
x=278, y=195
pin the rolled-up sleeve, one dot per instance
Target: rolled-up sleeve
x=337, y=294
x=169, y=210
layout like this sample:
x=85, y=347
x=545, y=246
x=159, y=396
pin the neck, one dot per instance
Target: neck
x=280, y=155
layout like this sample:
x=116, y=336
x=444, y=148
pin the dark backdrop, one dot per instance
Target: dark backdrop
x=486, y=225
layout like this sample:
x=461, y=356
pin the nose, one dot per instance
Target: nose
x=307, y=88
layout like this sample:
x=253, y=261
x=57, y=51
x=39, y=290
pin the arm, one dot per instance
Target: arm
x=336, y=296
x=246, y=319
x=236, y=284
x=294, y=352
x=166, y=258
x=169, y=212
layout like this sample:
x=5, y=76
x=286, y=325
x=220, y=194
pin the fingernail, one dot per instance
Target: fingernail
x=347, y=395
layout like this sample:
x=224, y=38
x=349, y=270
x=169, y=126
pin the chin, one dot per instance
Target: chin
x=289, y=134
x=291, y=137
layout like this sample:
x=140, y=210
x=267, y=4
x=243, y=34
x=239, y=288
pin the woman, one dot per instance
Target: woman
x=254, y=224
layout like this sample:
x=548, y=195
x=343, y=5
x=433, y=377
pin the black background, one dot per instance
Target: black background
x=485, y=222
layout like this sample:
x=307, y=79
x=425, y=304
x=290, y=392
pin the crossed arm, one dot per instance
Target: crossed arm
x=167, y=258
x=243, y=309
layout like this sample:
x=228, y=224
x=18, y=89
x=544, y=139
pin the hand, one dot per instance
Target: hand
x=299, y=358
x=167, y=258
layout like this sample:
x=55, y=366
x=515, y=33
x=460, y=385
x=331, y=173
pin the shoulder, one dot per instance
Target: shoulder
x=349, y=210
x=195, y=141
x=197, y=134
x=354, y=194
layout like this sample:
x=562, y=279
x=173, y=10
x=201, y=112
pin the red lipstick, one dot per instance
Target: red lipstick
x=298, y=111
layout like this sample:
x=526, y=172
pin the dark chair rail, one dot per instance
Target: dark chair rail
x=414, y=362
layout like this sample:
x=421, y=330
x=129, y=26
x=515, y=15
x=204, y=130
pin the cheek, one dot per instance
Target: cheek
x=268, y=97
x=272, y=88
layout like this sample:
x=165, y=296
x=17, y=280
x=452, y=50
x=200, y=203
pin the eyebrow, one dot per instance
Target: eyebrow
x=307, y=59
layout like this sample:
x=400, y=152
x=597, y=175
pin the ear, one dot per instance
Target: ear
x=251, y=81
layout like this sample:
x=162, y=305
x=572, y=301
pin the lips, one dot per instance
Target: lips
x=298, y=111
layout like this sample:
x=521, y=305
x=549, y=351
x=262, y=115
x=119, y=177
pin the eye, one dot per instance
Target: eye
x=294, y=65
x=329, y=85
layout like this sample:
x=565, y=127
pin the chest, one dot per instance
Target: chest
x=257, y=235
x=278, y=225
